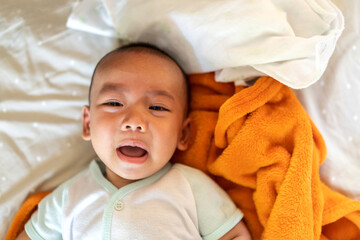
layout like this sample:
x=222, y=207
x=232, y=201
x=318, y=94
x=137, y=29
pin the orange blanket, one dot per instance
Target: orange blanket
x=259, y=144
x=24, y=214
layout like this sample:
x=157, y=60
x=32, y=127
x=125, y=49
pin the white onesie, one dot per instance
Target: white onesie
x=178, y=202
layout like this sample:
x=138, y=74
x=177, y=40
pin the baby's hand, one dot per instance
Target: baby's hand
x=239, y=232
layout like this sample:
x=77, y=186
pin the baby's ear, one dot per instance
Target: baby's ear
x=86, y=122
x=185, y=135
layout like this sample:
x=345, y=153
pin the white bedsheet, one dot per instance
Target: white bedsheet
x=45, y=71
x=334, y=105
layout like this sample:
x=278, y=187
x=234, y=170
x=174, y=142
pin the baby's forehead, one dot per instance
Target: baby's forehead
x=133, y=55
x=118, y=58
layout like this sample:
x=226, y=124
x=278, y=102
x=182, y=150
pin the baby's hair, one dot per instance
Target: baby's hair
x=147, y=48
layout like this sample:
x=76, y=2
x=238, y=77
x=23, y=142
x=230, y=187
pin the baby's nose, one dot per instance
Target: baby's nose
x=132, y=127
x=133, y=123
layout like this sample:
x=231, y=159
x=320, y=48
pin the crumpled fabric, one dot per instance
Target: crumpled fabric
x=289, y=40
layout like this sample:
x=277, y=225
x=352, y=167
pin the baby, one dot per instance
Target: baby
x=136, y=119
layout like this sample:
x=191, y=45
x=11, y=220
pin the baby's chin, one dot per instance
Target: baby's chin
x=134, y=172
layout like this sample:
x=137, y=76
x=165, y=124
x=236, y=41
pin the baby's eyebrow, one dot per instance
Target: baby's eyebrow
x=120, y=88
x=161, y=93
x=111, y=88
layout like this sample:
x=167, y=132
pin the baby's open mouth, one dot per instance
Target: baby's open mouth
x=132, y=151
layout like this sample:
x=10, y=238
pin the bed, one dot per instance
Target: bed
x=49, y=49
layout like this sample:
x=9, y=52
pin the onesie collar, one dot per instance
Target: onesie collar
x=97, y=169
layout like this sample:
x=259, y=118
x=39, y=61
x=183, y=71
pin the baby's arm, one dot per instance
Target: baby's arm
x=239, y=232
x=23, y=236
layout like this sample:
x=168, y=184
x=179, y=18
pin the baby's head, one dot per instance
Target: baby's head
x=137, y=113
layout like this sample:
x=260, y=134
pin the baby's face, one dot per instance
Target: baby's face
x=136, y=117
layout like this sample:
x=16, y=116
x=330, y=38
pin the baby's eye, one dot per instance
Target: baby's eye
x=158, y=108
x=114, y=104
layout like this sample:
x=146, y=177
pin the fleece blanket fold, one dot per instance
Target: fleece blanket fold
x=261, y=146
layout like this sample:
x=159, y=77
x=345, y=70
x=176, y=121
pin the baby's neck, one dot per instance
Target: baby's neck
x=116, y=180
